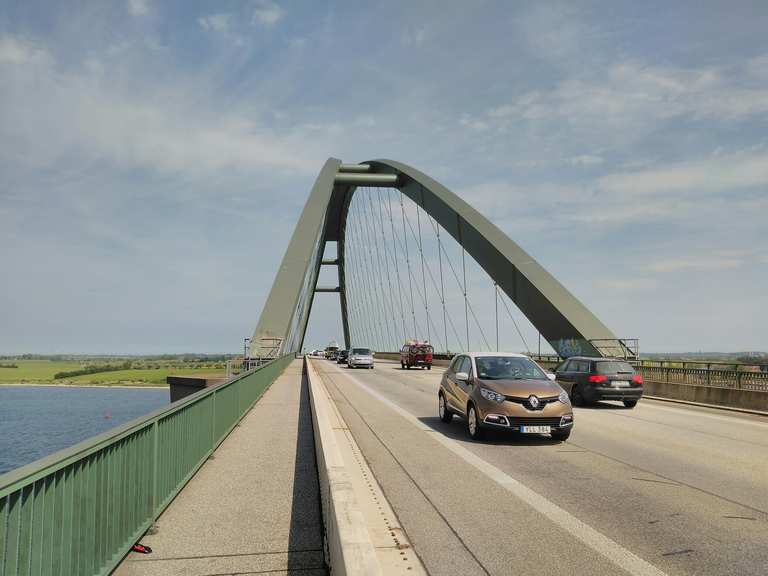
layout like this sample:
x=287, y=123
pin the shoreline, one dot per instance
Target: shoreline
x=84, y=385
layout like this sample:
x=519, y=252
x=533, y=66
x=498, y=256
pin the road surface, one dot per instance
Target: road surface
x=659, y=489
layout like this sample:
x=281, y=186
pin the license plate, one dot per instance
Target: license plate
x=535, y=429
x=620, y=383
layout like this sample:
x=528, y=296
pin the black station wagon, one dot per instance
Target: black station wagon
x=588, y=380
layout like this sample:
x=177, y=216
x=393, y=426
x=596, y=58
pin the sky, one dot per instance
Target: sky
x=155, y=156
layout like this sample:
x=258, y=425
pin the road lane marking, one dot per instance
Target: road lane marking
x=597, y=541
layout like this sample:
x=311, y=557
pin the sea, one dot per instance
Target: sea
x=36, y=421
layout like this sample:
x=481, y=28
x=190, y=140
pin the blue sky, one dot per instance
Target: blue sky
x=154, y=156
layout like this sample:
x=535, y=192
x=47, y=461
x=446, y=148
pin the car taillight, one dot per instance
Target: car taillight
x=637, y=379
x=597, y=379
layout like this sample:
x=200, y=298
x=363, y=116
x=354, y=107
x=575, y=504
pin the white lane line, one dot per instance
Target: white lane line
x=600, y=543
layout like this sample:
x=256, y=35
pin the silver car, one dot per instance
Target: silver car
x=360, y=358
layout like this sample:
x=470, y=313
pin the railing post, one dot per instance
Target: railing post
x=213, y=421
x=155, y=462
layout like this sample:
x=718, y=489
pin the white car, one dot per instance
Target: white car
x=360, y=358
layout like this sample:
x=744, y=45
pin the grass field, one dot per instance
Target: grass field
x=34, y=370
x=42, y=371
x=153, y=377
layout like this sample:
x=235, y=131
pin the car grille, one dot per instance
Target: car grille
x=516, y=422
x=524, y=401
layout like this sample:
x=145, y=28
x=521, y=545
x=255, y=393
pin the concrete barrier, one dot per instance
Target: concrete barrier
x=348, y=546
x=712, y=395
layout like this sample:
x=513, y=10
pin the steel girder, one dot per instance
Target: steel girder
x=568, y=326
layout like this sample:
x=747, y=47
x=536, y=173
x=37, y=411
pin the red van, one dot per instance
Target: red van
x=416, y=353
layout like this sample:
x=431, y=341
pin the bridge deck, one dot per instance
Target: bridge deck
x=650, y=491
x=254, y=506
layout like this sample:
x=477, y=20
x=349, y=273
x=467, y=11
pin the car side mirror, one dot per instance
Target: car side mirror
x=462, y=376
x=551, y=376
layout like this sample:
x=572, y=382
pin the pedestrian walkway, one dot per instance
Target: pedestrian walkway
x=253, y=507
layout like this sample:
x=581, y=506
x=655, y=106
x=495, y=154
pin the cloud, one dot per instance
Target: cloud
x=414, y=37
x=138, y=7
x=697, y=264
x=720, y=173
x=585, y=160
x=89, y=112
x=215, y=22
x=630, y=100
x=267, y=13
x=17, y=51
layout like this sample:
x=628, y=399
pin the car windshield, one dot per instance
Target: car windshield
x=508, y=368
x=423, y=349
x=361, y=351
x=614, y=368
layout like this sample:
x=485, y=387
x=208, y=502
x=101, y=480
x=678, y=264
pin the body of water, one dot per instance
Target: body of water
x=36, y=421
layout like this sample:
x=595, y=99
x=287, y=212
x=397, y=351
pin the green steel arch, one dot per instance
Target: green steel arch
x=568, y=326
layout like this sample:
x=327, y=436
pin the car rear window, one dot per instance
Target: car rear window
x=361, y=351
x=423, y=349
x=614, y=368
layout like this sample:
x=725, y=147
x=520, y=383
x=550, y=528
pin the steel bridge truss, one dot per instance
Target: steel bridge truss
x=566, y=324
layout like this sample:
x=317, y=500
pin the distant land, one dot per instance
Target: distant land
x=107, y=370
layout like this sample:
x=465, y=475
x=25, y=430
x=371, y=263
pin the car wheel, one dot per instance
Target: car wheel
x=473, y=424
x=402, y=366
x=445, y=414
x=429, y=367
x=561, y=435
x=630, y=403
x=408, y=366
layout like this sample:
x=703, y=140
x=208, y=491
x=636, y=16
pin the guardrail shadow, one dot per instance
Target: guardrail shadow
x=305, y=538
x=604, y=405
x=457, y=430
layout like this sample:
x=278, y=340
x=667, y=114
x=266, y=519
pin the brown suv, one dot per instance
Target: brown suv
x=504, y=391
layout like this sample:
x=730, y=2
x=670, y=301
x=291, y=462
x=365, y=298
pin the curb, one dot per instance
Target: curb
x=347, y=544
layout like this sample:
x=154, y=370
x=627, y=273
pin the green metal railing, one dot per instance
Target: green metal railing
x=79, y=511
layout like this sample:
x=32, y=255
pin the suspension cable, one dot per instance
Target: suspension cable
x=389, y=314
x=496, y=307
x=421, y=252
x=386, y=260
x=377, y=296
x=397, y=266
x=442, y=285
x=366, y=292
x=468, y=302
x=503, y=301
x=408, y=263
x=432, y=279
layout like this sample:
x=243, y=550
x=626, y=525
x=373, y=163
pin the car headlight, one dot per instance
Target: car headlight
x=491, y=395
x=564, y=397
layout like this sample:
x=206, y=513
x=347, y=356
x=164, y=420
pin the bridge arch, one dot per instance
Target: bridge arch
x=567, y=324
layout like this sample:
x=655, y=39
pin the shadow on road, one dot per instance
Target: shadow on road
x=305, y=538
x=457, y=430
x=603, y=406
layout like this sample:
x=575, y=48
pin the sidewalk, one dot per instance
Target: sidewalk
x=254, y=507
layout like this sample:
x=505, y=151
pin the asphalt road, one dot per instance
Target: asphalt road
x=659, y=489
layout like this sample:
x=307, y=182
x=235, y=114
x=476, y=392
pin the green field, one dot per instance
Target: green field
x=145, y=377
x=35, y=370
x=42, y=372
